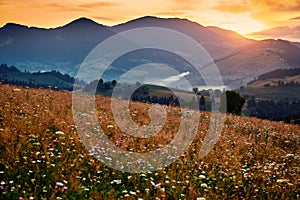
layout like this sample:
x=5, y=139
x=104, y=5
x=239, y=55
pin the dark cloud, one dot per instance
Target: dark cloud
x=295, y=18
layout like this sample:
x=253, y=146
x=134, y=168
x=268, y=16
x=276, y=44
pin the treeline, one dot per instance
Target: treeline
x=4, y=69
x=54, y=79
x=274, y=110
x=142, y=93
x=281, y=83
x=162, y=100
x=278, y=73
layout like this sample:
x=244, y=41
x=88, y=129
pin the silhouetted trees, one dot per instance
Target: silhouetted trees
x=234, y=102
x=202, y=103
x=274, y=110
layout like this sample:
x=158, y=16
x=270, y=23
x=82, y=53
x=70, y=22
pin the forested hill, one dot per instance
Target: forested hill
x=278, y=73
x=52, y=79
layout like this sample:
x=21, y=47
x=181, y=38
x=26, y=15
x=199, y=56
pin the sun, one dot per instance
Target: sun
x=244, y=26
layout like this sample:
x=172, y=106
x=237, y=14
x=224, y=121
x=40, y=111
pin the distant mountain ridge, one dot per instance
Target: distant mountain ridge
x=64, y=48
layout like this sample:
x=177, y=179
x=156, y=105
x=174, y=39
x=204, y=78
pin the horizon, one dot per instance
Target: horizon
x=251, y=18
x=95, y=21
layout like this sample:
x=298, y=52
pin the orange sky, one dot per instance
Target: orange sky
x=243, y=16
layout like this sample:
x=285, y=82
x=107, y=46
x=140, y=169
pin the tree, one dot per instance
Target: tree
x=114, y=83
x=234, y=102
x=195, y=90
x=202, y=103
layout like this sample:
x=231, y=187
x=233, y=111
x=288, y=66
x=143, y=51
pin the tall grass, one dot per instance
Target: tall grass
x=42, y=156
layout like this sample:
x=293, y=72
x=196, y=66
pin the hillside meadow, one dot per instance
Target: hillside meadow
x=42, y=156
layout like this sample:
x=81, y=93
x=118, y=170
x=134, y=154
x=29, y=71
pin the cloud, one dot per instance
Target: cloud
x=278, y=5
x=226, y=6
x=258, y=6
x=111, y=18
x=4, y=2
x=186, y=5
x=269, y=12
x=284, y=32
x=98, y=4
x=63, y=7
x=81, y=7
x=295, y=18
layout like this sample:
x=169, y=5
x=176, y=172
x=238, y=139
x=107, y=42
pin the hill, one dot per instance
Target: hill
x=42, y=155
x=52, y=79
x=281, y=84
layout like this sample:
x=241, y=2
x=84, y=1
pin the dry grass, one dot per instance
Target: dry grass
x=252, y=159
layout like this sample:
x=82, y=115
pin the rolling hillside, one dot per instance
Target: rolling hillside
x=275, y=85
x=53, y=79
x=43, y=157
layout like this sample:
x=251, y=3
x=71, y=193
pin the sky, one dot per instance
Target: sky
x=252, y=18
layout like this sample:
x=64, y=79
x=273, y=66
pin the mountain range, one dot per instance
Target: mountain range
x=64, y=48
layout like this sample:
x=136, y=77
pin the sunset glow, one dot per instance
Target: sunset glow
x=242, y=16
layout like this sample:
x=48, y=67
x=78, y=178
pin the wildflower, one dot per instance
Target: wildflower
x=59, y=184
x=282, y=180
x=200, y=198
x=204, y=185
x=65, y=188
x=117, y=181
x=133, y=193
x=17, y=90
x=202, y=176
x=290, y=155
x=59, y=133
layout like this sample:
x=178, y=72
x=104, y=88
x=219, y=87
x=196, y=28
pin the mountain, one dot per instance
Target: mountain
x=64, y=48
x=218, y=42
x=258, y=58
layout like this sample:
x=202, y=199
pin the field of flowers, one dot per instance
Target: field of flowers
x=42, y=156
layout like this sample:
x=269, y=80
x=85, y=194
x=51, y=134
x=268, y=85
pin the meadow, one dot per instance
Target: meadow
x=42, y=155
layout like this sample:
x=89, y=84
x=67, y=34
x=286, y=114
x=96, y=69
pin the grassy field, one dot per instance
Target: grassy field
x=269, y=89
x=42, y=156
